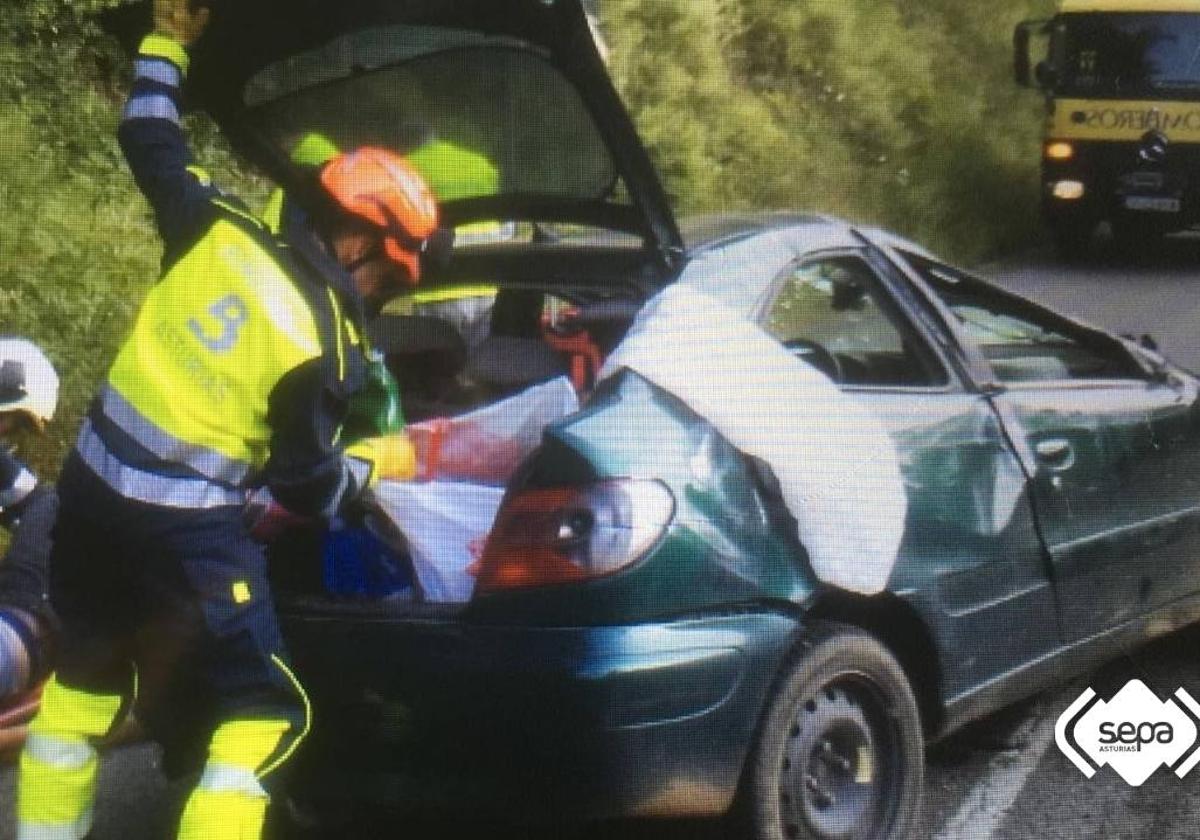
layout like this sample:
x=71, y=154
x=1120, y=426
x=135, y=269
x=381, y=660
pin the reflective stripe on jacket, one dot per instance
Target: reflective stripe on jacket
x=243, y=358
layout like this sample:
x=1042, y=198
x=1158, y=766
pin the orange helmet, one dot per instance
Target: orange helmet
x=386, y=190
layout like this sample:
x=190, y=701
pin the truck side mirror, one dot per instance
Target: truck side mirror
x=1021, y=38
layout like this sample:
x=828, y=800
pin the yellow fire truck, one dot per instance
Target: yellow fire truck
x=1122, y=136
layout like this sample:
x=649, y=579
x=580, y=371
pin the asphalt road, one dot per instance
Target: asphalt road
x=1000, y=779
x=1155, y=293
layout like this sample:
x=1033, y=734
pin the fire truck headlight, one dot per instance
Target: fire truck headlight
x=1059, y=150
x=1067, y=190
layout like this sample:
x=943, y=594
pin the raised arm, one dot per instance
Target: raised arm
x=152, y=137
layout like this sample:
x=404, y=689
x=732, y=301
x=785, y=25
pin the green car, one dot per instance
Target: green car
x=648, y=634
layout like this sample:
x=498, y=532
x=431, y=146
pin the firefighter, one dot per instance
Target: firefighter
x=455, y=172
x=28, y=398
x=241, y=371
x=452, y=172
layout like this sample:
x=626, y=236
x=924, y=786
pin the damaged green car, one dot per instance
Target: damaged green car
x=649, y=633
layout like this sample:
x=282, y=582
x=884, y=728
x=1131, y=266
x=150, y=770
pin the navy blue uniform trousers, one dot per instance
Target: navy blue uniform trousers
x=174, y=602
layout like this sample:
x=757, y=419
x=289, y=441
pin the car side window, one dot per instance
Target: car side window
x=1021, y=341
x=829, y=311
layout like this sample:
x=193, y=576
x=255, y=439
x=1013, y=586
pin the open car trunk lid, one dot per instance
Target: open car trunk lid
x=518, y=82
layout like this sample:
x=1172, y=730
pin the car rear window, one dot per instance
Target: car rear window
x=519, y=125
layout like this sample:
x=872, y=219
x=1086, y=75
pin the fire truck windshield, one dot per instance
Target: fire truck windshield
x=1127, y=55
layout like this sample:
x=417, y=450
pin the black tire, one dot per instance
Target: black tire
x=840, y=753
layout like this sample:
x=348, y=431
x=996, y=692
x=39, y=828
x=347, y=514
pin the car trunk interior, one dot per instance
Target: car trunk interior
x=451, y=357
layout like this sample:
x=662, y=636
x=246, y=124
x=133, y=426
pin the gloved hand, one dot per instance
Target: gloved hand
x=392, y=456
x=266, y=519
x=427, y=437
x=180, y=20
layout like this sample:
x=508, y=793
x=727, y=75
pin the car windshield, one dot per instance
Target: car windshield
x=481, y=116
x=1127, y=54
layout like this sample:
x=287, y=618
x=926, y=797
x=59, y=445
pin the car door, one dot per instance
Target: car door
x=971, y=561
x=1113, y=451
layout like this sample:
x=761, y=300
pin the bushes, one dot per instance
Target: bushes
x=902, y=114
x=74, y=253
x=77, y=244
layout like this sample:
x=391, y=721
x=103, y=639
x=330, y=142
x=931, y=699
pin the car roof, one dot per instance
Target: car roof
x=705, y=232
x=713, y=230
x=736, y=257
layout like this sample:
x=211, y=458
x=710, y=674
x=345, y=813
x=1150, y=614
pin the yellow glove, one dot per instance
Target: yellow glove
x=180, y=20
x=391, y=457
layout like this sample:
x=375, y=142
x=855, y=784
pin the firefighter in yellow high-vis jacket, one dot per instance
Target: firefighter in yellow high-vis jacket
x=240, y=373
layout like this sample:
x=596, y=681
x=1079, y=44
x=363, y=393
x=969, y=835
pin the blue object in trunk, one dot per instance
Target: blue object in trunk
x=358, y=563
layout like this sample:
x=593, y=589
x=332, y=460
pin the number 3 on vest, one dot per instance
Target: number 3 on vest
x=230, y=312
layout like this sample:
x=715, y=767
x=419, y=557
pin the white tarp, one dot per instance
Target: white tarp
x=836, y=465
x=444, y=522
x=487, y=445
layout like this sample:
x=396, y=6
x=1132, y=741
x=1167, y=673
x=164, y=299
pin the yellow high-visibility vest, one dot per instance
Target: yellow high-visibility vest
x=212, y=340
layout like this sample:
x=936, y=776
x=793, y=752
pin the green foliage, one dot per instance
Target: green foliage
x=901, y=114
x=73, y=255
x=77, y=243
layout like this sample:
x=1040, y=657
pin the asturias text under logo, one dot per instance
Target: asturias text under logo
x=1134, y=732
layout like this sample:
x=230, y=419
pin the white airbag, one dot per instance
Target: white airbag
x=836, y=465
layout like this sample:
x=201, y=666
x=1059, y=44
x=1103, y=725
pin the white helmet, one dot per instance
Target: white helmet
x=28, y=382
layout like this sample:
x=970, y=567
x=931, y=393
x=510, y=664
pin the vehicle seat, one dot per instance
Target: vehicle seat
x=515, y=355
x=506, y=364
x=587, y=333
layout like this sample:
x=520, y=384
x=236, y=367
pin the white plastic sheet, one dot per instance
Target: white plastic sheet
x=444, y=524
x=471, y=457
x=836, y=465
x=487, y=445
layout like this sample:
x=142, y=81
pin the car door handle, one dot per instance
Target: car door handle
x=1055, y=452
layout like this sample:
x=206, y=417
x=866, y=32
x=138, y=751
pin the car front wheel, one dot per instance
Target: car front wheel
x=840, y=754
